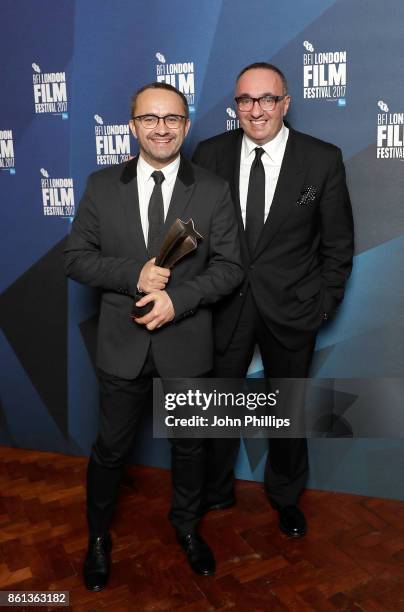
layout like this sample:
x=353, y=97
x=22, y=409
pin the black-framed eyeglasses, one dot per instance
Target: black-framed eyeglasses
x=149, y=122
x=267, y=103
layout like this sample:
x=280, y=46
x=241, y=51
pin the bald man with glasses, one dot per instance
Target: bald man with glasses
x=296, y=233
x=122, y=219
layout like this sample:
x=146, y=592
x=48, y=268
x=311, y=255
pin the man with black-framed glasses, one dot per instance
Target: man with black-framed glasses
x=296, y=234
x=122, y=219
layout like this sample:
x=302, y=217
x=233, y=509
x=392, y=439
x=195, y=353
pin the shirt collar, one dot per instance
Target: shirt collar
x=170, y=171
x=274, y=148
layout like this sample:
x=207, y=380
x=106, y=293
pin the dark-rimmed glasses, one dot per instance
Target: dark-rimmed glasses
x=267, y=103
x=173, y=122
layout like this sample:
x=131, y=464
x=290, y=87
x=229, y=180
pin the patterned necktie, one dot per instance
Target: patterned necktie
x=255, y=213
x=155, y=215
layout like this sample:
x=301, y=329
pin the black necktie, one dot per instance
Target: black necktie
x=155, y=215
x=255, y=213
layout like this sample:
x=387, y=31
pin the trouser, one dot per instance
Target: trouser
x=286, y=469
x=121, y=404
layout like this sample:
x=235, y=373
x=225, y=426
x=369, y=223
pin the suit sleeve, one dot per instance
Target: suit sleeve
x=223, y=273
x=196, y=158
x=83, y=259
x=202, y=157
x=337, y=234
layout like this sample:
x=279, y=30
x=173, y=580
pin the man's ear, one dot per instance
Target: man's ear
x=132, y=126
x=286, y=105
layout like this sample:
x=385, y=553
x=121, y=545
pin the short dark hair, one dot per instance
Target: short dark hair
x=157, y=85
x=266, y=66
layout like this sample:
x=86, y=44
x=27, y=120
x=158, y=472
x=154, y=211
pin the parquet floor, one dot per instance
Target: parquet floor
x=352, y=558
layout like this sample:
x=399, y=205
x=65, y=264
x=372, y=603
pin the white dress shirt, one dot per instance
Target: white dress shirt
x=145, y=185
x=271, y=160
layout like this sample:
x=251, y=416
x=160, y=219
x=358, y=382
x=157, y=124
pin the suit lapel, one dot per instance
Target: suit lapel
x=232, y=171
x=183, y=189
x=130, y=200
x=236, y=180
x=287, y=192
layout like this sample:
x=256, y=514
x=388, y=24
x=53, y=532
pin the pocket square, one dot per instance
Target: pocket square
x=307, y=196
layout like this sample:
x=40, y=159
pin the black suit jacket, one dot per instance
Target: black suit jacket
x=304, y=254
x=106, y=249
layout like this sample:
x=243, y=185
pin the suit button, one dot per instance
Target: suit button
x=241, y=294
x=251, y=267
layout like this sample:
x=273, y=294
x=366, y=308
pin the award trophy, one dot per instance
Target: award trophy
x=181, y=239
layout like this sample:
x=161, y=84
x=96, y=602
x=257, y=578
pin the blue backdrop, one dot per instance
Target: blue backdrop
x=63, y=113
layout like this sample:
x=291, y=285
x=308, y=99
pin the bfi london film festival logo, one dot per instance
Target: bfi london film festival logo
x=57, y=196
x=112, y=142
x=390, y=133
x=50, y=92
x=232, y=122
x=181, y=75
x=7, y=160
x=324, y=74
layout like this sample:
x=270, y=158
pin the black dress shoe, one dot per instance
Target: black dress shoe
x=97, y=563
x=228, y=503
x=292, y=521
x=199, y=555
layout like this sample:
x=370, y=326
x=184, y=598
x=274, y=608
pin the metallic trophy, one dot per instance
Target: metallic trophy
x=181, y=239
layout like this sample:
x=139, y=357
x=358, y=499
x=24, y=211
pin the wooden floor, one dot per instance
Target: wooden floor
x=352, y=558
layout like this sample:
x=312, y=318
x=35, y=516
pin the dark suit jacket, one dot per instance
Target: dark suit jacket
x=106, y=249
x=304, y=254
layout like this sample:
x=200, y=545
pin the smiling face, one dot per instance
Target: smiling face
x=261, y=126
x=159, y=146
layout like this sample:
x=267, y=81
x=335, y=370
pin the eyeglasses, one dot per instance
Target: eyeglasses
x=151, y=121
x=267, y=103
